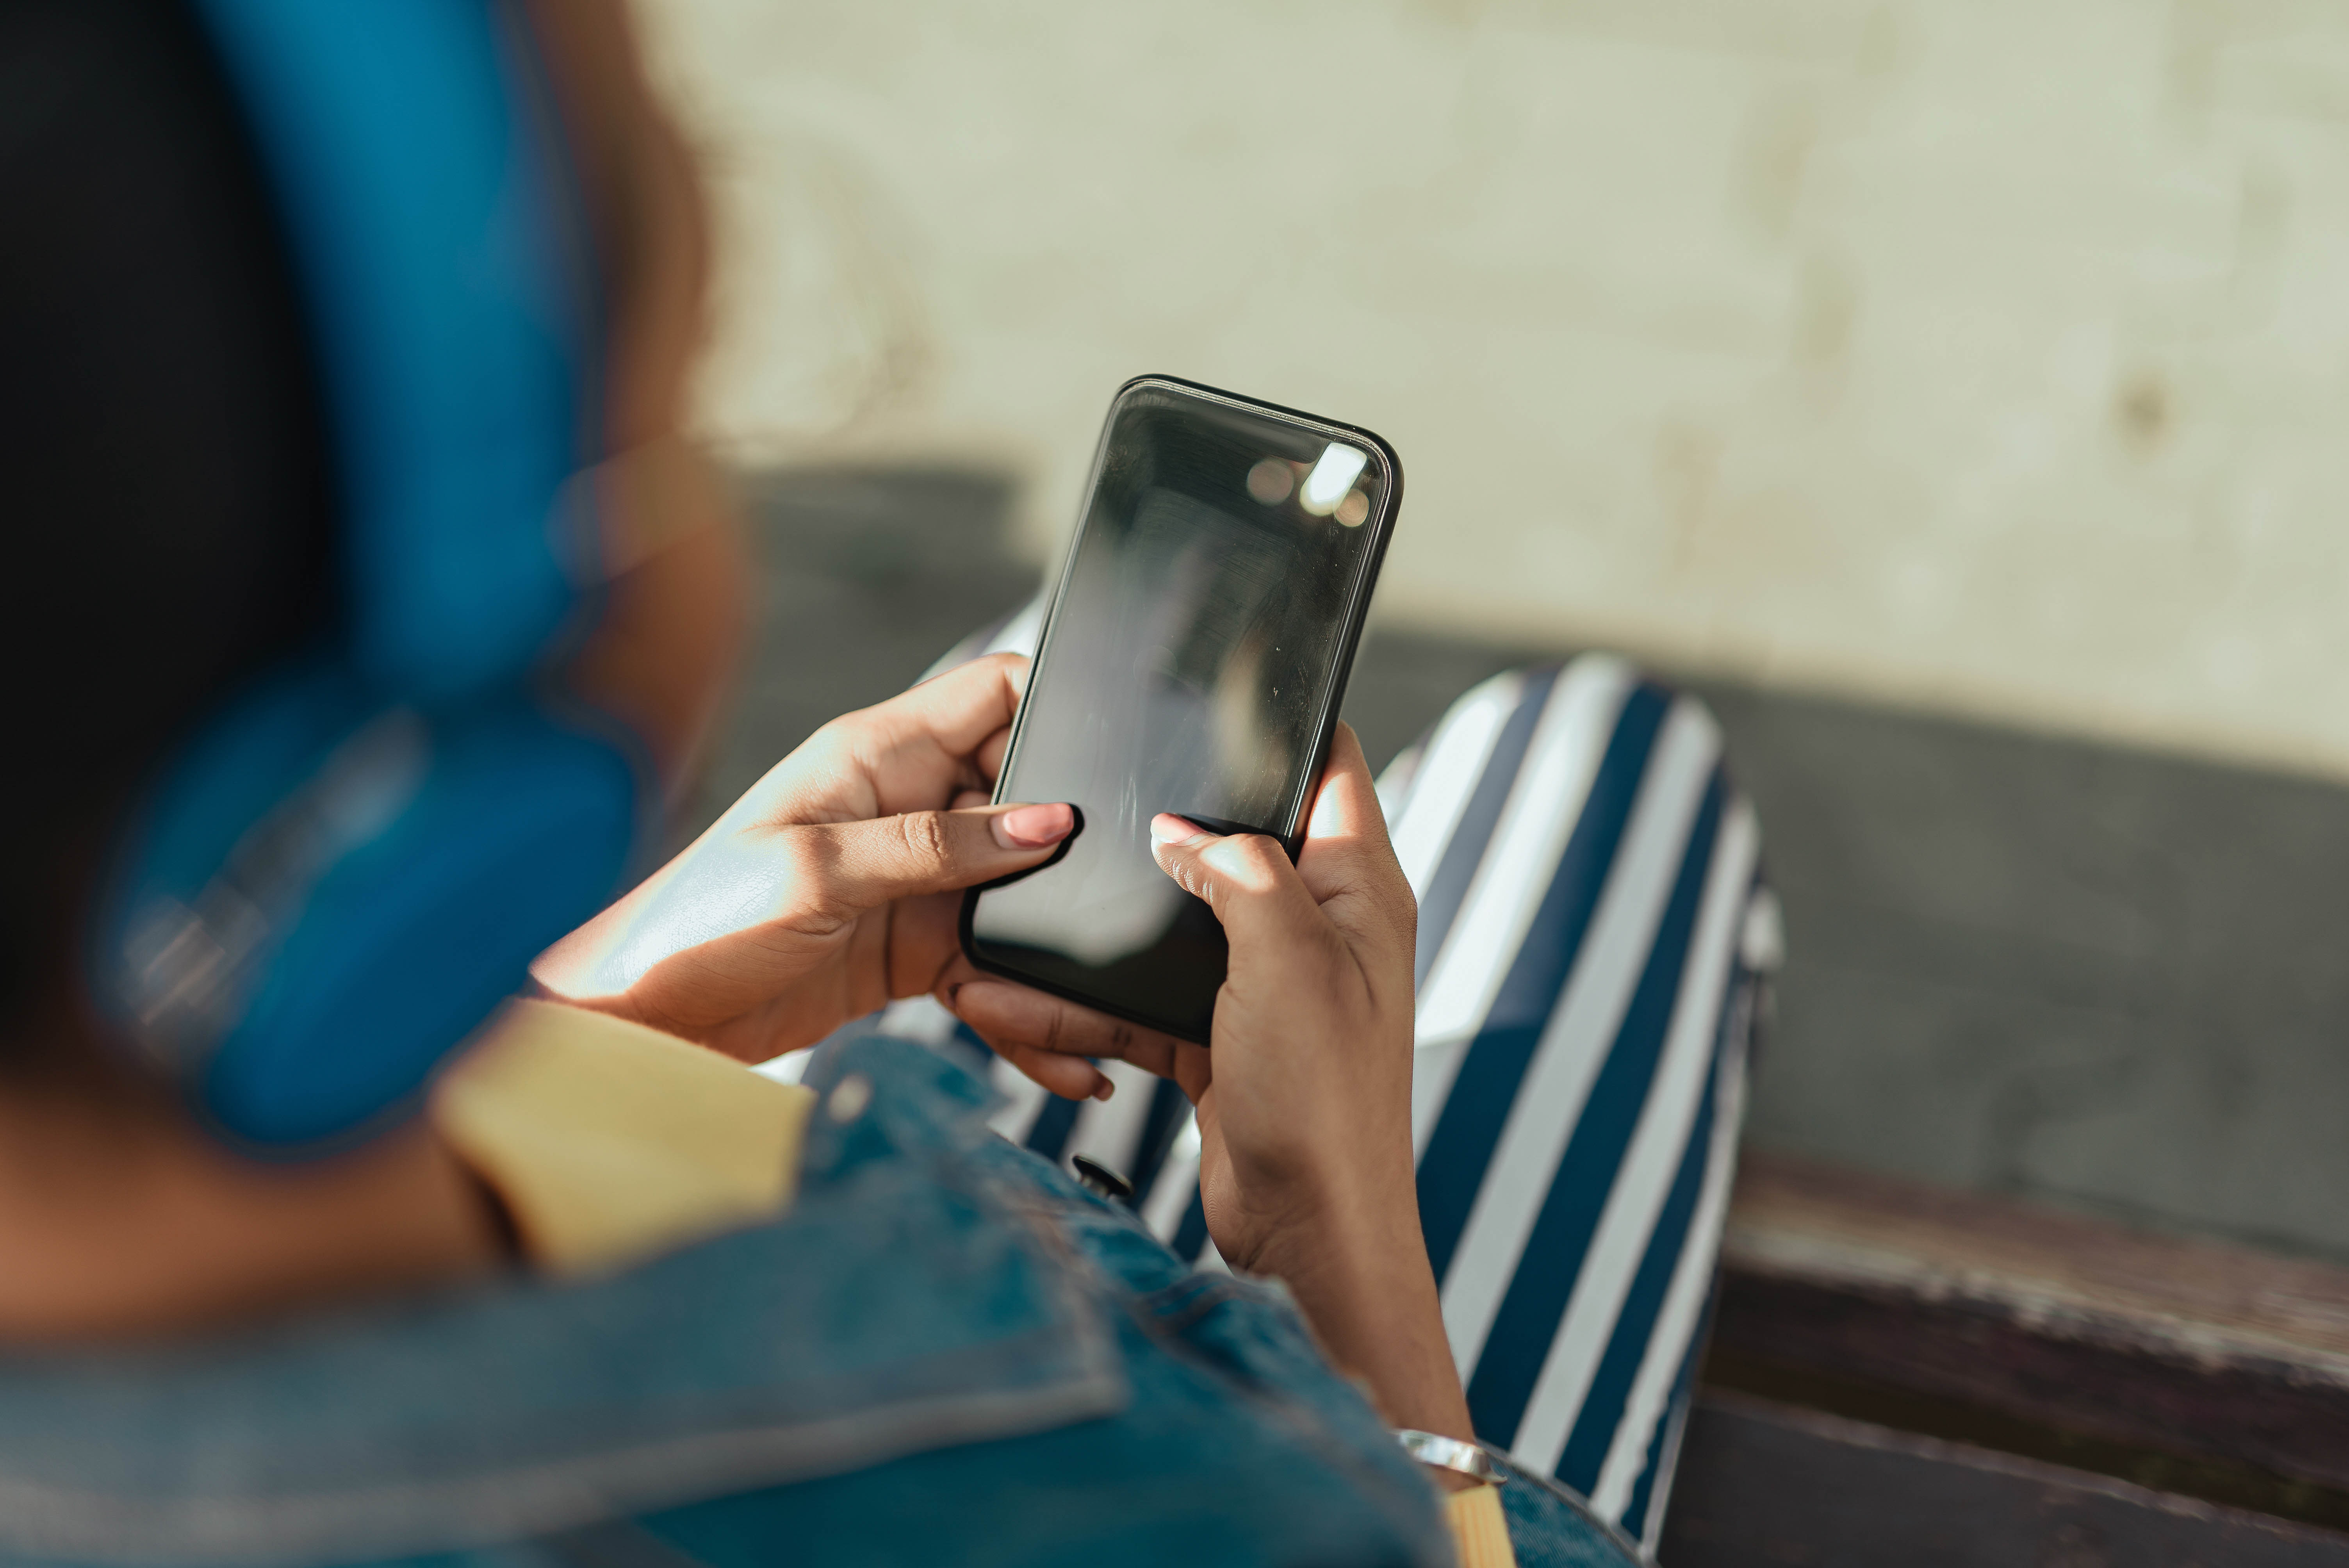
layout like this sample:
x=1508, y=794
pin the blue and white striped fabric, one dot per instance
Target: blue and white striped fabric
x=1593, y=942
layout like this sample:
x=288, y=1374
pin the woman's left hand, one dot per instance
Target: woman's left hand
x=1304, y=1104
x=832, y=887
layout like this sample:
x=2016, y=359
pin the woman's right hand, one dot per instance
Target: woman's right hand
x=1304, y=1102
x=832, y=887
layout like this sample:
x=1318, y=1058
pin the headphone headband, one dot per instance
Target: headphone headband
x=353, y=862
x=431, y=212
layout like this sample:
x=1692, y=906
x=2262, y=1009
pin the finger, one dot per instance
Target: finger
x=1349, y=864
x=1346, y=817
x=957, y=710
x=923, y=941
x=1246, y=879
x=914, y=750
x=846, y=868
x=1022, y=1024
x=989, y=757
x=1070, y=1077
x=965, y=800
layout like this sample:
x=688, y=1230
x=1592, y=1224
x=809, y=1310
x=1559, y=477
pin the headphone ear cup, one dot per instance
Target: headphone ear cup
x=351, y=864
x=305, y=978
x=520, y=830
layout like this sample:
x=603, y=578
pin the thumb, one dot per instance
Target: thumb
x=1246, y=879
x=850, y=867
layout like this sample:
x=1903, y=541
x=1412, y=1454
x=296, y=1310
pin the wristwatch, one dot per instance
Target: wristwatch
x=1452, y=1454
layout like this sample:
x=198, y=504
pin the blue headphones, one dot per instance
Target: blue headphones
x=345, y=873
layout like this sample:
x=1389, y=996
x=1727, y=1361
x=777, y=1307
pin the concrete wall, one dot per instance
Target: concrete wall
x=1980, y=355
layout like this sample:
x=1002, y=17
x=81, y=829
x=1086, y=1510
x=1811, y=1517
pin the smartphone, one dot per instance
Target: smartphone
x=1192, y=661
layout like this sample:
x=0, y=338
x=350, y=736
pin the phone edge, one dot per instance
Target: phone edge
x=1356, y=618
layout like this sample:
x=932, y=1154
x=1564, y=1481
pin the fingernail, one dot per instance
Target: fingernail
x=1033, y=827
x=1169, y=828
x=1103, y=1090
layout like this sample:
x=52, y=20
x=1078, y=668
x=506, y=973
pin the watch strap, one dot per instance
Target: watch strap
x=1450, y=1453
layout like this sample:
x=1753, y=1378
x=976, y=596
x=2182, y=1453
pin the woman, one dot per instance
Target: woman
x=288, y=1275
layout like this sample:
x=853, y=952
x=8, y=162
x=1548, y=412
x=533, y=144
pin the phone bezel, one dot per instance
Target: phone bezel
x=1381, y=526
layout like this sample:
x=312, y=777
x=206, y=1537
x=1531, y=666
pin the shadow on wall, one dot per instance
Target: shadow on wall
x=2071, y=972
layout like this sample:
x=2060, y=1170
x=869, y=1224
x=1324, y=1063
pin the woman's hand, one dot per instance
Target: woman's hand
x=829, y=888
x=1304, y=1103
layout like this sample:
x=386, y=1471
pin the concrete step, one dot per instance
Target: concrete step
x=1766, y=1485
x=1972, y=1352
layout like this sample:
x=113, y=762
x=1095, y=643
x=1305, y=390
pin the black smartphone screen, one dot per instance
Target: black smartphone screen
x=1193, y=662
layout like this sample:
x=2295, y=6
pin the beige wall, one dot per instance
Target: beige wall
x=1985, y=354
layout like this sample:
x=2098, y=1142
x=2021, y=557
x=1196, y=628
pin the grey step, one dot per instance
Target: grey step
x=1766, y=1484
x=2196, y=1366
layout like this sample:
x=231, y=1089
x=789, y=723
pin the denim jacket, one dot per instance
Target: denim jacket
x=944, y=1352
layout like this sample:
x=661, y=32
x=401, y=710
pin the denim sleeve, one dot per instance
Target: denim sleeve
x=1238, y=1443
x=946, y=1352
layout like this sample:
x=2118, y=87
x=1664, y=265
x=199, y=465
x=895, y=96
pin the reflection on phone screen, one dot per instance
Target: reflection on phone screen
x=1189, y=661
